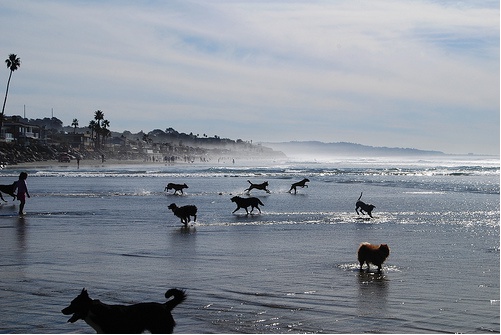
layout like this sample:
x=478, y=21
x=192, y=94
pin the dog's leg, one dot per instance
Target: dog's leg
x=3, y=198
x=235, y=210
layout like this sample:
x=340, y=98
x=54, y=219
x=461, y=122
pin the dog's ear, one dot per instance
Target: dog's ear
x=84, y=292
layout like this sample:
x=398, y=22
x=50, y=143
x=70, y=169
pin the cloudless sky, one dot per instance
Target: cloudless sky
x=420, y=74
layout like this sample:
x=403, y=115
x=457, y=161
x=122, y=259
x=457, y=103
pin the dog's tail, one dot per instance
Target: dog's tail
x=260, y=202
x=360, y=197
x=249, y=181
x=179, y=297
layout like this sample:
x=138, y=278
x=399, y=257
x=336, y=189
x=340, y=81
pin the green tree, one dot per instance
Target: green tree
x=13, y=63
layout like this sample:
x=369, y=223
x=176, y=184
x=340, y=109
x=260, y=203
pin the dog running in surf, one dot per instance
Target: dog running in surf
x=364, y=207
x=184, y=212
x=8, y=189
x=175, y=187
x=262, y=186
x=301, y=183
x=247, y=202
x=126, y=319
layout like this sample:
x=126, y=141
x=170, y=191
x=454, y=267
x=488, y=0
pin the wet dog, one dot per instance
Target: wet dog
x=175, y=187
x=8, y=189
x=375, y=254
x=301, y=183
x=364, y=207
x=126, y=319
x=246, y=202
x=262, y=186
x=184, y=212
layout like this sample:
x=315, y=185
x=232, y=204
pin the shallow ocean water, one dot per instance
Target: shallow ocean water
x=290, y=269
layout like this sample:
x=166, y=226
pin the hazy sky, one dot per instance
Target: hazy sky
x=421, y=74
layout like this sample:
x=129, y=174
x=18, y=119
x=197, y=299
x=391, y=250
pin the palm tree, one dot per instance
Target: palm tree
x=104, y=129
x=74, y=124
x=98, y=116
x=92, y=126
x=105, y=124
x=13, y=63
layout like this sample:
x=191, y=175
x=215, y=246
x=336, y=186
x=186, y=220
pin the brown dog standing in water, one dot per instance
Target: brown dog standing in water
x=375, y=254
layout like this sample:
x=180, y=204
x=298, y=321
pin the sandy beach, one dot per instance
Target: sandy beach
x=88, y=163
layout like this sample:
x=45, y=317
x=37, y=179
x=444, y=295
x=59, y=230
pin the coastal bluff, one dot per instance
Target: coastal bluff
x=13, y=154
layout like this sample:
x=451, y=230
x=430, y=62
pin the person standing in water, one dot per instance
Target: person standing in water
x=22, y=191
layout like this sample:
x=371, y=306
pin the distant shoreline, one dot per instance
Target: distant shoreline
x=96, y=163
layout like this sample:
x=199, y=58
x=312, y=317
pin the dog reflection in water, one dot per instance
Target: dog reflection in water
x=126, y=319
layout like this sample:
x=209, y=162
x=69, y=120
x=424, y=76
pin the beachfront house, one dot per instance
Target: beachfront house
x=17, y=131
